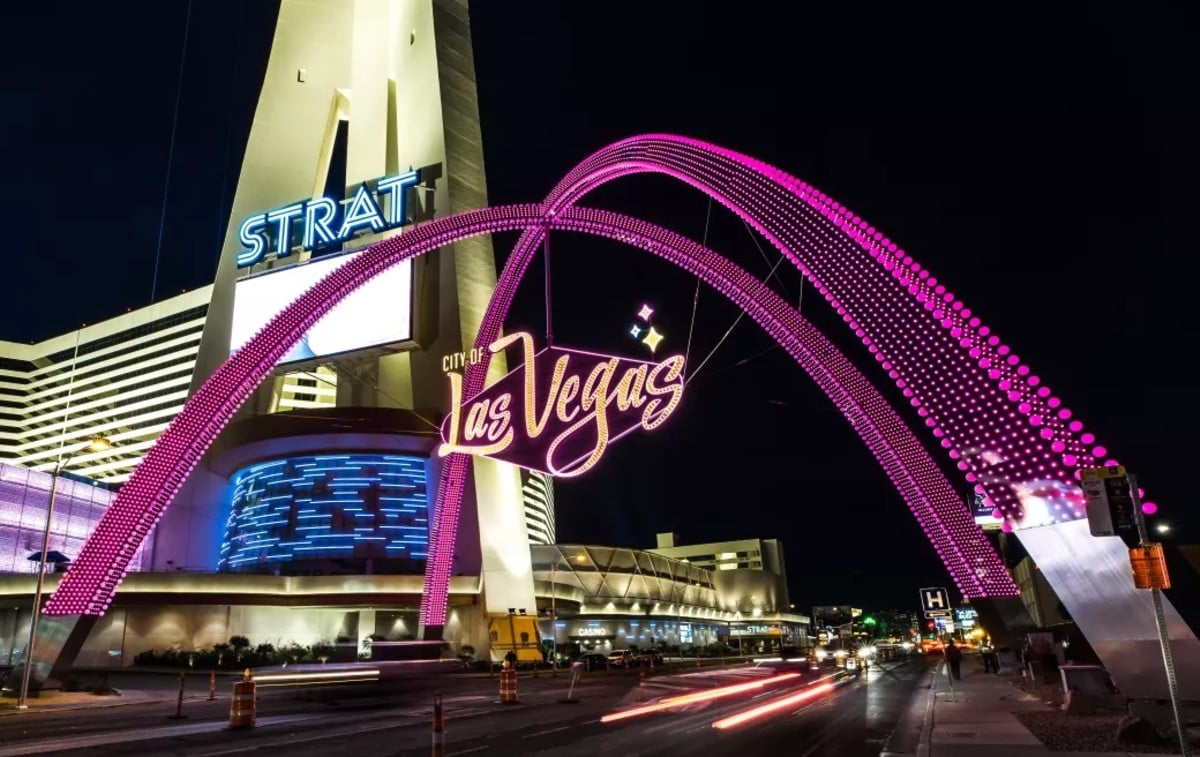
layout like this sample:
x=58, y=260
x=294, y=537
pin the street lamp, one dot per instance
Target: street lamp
x=98, y=444
x=553, y=619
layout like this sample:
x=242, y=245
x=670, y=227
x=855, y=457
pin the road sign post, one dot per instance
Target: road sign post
x=1164, y=638
x=935, y=601
x=1115, y=509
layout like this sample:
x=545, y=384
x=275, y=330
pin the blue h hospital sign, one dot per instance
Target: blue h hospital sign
x=935, y=599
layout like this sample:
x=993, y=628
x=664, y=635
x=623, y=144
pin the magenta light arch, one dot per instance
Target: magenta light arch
x=100, y=567
x=975, y=396
x=1014, y=440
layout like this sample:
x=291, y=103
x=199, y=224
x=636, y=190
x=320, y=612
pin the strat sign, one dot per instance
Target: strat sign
x=317, y=221
x=560, y=410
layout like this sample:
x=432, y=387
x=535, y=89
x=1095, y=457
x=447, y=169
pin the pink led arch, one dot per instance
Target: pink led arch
x=1005, y=430
x=970, y=559
x=89, y=586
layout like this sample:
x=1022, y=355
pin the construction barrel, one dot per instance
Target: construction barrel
x=439, y=728
x=242, y=706
x=508, y=686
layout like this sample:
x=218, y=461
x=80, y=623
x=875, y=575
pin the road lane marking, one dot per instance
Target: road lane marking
x=100, y=739
x=535, y=734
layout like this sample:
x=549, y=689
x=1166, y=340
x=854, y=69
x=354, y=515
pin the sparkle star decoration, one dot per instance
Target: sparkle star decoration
x=652, y=336
x=652, y=339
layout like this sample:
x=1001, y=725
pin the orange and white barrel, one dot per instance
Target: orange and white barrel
x=439, y=728
x=242, y=706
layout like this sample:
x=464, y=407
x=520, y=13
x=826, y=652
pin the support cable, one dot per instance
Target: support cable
x=162, y=217
x=546, y=255
x=687, y=353
x=729, y=330
x=222, y=218
x=770, y=275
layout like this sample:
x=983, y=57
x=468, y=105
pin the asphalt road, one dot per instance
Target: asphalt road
x=815, y=713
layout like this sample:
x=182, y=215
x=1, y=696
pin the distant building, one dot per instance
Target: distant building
x=749, y=577
x=537, y=493
x=741, y=554
x=124, y=378
x=598, y=599
x=899, y=624
x=832, y=616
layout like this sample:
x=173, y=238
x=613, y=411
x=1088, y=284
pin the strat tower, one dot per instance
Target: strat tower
x=367, y=124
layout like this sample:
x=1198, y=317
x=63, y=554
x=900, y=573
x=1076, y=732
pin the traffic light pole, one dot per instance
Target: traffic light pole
x=1160, y=622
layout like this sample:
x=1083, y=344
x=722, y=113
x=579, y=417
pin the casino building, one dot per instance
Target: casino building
x=309, y=517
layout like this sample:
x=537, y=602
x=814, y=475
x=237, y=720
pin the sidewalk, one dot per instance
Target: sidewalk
x=144, y=686
x=975, y=717
x=58, y=701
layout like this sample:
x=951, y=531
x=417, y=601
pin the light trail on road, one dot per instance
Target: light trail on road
x=699, y=696
x=754, y=713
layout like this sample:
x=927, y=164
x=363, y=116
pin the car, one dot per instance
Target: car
x=620, y=658
x=649, y=659
x=594, y=661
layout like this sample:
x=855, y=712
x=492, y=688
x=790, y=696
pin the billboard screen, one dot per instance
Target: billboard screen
x=984, y=513
x=380, y=312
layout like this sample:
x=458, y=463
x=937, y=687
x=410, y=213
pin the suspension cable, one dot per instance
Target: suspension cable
x=763, y=254
x=222, y=218
x=729, y=330
x=687, y=353
x=162, y=217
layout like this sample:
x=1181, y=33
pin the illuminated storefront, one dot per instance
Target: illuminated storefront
x=598, y=599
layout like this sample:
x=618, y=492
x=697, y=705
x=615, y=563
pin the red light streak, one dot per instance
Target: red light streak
x=697, y=696
x=766, y=709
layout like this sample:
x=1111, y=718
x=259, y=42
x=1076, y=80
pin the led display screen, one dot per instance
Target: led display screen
x=337, y=507
x=24, y=501
x=378, y=313
x=983, y=512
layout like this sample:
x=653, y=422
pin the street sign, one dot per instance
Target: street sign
x=934, y=599
x=934, y=614
x=1109, y=503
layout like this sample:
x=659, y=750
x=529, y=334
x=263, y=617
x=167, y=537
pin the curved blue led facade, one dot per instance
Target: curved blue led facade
x=354, y=512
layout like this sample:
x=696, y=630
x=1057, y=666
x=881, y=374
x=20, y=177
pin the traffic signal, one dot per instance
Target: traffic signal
x=930, y=625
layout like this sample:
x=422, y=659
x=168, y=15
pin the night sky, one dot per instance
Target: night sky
x=1041, y=162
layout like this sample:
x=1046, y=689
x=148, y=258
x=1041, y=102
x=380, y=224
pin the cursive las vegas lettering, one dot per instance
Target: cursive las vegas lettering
x=572, y=410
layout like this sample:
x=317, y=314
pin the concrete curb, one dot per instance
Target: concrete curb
x=121, y=699
x=924, y=745
x=900, y=742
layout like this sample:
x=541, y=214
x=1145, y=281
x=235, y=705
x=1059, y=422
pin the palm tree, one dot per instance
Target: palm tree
x=240, y=644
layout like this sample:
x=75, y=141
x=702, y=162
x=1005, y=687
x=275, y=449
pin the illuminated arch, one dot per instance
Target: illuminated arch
x=870, y=283
x=1015, y=442
x=909, y=466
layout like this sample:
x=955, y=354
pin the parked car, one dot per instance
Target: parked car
x=620, y=658
x=650, y=658
x=594, y=661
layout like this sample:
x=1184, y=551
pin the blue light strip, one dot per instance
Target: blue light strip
x=340, y=506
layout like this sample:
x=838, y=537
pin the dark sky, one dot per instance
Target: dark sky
x=1041, y=161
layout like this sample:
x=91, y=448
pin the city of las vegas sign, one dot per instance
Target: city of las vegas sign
x=561, y=408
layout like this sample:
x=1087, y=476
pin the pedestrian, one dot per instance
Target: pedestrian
x=988, y=655
x=954, y=659
x=994, y=656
